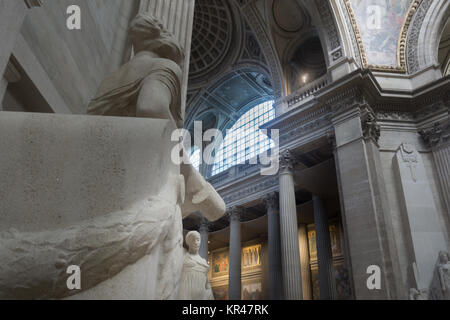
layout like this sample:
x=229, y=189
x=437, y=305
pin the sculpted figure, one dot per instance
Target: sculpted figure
x=415, y=294
x=443, y=269
x=194, y=283
x=131, y=197
x=149, y=84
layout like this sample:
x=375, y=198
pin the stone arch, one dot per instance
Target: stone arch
x=424, y=34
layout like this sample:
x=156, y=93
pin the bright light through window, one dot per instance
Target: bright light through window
x=245, y=140
x=195, y=158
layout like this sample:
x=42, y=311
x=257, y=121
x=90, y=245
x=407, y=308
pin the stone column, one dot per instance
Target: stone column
x=12, y=15
x=327, y=281
x=275, y=278
x=290, y=255
x=234, y=279
x=305, y=262
x=438, y=138
x=203, y=230
x=364, y=196
x=177, y=16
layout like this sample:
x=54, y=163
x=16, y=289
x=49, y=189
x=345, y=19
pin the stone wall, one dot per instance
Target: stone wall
x=74, y=62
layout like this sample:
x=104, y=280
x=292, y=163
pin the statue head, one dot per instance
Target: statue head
x=443, y=257
x=193, y=240
x=148, y=34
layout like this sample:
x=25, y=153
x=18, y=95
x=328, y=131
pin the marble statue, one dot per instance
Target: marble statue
x=99, y=191
x=194, y=283
x=415, y=294
x=440, y=286
x=149, y=84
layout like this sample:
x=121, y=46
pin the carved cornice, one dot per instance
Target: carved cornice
x=438, y=135
x=241, y=191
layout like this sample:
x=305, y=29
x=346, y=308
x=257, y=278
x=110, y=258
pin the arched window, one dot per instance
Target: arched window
x=245, y=140
x=195, y=158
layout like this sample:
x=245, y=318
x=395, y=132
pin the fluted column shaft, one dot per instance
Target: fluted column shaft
x=438, y=139
x=327, y=282
x=203, y=230
x=290, y=255
x=275, y=276
x=234, y=279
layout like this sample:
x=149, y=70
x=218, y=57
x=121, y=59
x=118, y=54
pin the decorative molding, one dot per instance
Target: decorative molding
x=244, y=190
x=438, y=135
x=409, y=157
x=332, y=32
x=412, y=55
x=269, y=52
x=287, y=162
x=355, y=45
x=370, y=127
x=234, y=213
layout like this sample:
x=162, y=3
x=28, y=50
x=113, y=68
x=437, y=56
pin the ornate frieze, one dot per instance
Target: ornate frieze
x=241, y=191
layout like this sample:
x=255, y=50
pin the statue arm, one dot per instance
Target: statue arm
x=200, y=195
x=154, y=100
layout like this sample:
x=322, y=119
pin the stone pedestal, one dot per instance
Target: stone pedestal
x=292, y=280
x=234, y=279
x=86, y=191
x=327, y=281
x=275, y=276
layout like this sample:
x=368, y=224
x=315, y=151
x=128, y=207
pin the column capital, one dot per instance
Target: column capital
x=33, y=3
x=331, y=137
x=370, y=127
x=271, y=201
x=436, y=136
x=287, y=162
x=204, y=225
x=234, y=213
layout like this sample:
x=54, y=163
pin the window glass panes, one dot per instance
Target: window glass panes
x=245, y=140
x=195, y=158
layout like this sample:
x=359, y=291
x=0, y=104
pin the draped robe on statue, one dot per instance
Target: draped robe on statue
x=194, y=281
x=119, y=92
